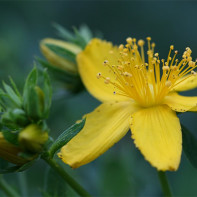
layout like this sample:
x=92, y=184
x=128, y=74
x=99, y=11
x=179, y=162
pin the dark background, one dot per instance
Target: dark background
x=121, y=171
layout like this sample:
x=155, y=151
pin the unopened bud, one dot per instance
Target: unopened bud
x=60, y=54
x=32, y=138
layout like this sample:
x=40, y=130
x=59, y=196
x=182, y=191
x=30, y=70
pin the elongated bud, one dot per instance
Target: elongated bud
x=11, y=152
x=32, y=138
x=60, y=54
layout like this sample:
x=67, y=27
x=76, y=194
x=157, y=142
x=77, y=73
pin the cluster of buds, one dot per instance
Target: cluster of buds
x=23, y=131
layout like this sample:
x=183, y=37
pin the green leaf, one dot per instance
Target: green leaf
x=70, y=81
x=12, y=95
x=62, y=52
x=64, y=33
x=58, y=73
x=17, y=168
x=15, y=87
x=29, y=83
x=66, y=136
x=47, y=89
x=86, y=33
x=11, y=136
x=190, y=146
x=54, y=186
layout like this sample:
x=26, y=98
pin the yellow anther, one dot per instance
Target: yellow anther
x=172, y=47
x=129, y=40
x=174, y=68
x=148, y=38
x=134, y=40
x=125, y=50
x=189, y=59
x=141, y=43
x=121, y=47
x=120, y=67
x=105, y=62
x=156, y=54
x=191, y=64
x=98, y=75
x=107, y=80
x=153, y=45
x=127, y=74
x=176, y=52
x=165, y=68
x=168, y=84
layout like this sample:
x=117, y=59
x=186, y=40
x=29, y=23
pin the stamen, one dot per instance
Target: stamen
x=133, y=77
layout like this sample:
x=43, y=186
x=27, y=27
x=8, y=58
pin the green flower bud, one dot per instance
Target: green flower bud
x=11, y=153
x=32, y=138
x=60, y=54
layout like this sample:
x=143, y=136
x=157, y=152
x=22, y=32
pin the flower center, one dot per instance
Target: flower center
x=143, y=81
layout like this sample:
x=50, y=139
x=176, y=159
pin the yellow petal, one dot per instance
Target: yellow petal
x=90, y=63
x=187, y=84
x=180, y=103
x=105, y=126
x=157, y=133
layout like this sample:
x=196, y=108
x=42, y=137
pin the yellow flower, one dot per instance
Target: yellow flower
x=135, y=95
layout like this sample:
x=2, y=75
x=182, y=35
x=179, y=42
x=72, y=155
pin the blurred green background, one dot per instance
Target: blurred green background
x=121, y=171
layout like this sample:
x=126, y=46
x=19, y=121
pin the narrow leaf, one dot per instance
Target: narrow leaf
x=62, y=52
x=47, y=92
x=15, y=87
x=190, y=146
x=66, y=136
x=30, y=82
x=12, y=95
x=64, y=33
x=11, y=137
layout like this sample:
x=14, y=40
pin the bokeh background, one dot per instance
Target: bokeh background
x=121, y=171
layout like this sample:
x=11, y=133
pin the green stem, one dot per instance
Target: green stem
x=9, y=191
x=76, y=186
x=164, y=184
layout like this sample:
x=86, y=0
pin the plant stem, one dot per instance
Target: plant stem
x=164, y=184
x=76, y=186
x=9, y=191
x=23, y=183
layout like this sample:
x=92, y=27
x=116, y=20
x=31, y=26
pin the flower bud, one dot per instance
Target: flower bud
x=11, y=152
x=32, y=138
x=60, y=54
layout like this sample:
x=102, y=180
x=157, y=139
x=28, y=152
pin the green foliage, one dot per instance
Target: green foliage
x=71, y=81
x=37, y=101
x=54, y=184
x=15, y=168
x=80, y=36
x=11, y=136
x=65, y=137
x=190, y=146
